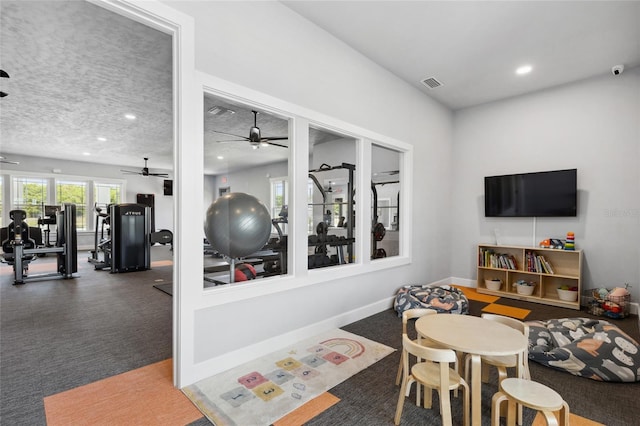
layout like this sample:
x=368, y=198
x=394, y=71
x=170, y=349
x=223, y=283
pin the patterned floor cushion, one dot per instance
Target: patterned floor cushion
x=585, y=347
x=442, y=298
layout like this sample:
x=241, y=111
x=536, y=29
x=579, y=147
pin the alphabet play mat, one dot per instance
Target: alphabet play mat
x=264, y=390
x=585, y=347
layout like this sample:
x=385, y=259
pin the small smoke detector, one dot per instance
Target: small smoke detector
x=431, y=82
x=220, y=110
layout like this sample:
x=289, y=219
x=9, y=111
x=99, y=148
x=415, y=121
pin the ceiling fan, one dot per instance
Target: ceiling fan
x=145, y=171
x=255, y=139
x=4, y=160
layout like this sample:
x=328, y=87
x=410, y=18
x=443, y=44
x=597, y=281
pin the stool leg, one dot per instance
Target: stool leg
x=496, y=401
x=551, y=419
x=564, y=414
x=511, y=413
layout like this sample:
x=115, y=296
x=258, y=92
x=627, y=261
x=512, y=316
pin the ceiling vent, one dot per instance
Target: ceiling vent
x=431, y=82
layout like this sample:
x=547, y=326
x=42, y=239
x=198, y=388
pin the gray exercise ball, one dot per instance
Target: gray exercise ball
x=237, y=224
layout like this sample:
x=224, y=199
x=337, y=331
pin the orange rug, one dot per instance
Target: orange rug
x=509, y=311
x=145, y=396
x=472, y=294
x=574, y=420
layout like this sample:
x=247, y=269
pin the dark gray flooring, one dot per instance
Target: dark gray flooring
x=56, y=335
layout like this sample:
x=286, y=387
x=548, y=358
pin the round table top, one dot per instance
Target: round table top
x=471, y=334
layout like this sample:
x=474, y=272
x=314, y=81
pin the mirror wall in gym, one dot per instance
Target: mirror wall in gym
x=385, y=201
x=331, y=218
x=246, y=192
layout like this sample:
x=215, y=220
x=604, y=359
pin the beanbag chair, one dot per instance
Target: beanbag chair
x=595, y=349
x=443, y=298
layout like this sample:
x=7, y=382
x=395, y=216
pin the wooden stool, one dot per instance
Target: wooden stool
x=529, y=394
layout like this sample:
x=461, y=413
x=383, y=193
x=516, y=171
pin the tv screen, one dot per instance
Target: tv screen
x=541, y=194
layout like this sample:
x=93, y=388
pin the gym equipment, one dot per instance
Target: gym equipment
x=20, y=249
x=244, y=272
x=378, y=230
x=237, y=224
x=149, y=201
x=100, y=243
x=127, y=247
x=48, y=219
x=130, y=239
x=322, y=241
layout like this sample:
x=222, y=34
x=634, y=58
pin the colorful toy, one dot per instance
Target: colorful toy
x=570, y=243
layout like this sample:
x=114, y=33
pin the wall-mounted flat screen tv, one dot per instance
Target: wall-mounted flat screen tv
x=541, y=194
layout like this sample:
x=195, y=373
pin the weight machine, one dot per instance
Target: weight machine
x=127, y=247
x=323, y=240
x=20, y=249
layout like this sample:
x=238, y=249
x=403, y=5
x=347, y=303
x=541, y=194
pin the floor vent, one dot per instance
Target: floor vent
x=431, y=82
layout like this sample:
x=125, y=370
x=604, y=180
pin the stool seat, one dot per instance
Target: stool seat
x=532, y=394
x=529, y=394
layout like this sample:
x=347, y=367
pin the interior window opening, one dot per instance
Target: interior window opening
x=331, y=203
x=246, y=163
x=385, y=202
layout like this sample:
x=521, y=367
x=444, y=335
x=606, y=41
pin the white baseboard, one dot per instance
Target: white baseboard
x=232, y=359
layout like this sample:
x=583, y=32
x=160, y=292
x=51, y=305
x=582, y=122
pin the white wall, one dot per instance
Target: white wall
x=301, y=64
x=592, y=125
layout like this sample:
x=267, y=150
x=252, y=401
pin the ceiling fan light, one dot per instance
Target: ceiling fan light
x=263, y=143
x=255, y=146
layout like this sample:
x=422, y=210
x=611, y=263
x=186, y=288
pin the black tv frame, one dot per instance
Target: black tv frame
x=538, y=194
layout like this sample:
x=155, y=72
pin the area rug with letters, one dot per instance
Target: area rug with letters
x=264, y=390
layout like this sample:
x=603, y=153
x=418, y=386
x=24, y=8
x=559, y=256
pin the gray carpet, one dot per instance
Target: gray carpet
x=166, y=288
x=56, y=335
x=59, y=334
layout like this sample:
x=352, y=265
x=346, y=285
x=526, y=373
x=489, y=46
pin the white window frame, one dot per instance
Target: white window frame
x=300, y=121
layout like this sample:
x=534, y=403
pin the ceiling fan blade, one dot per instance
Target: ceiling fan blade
x=231, y=134
x=4, y=160
x=275, y=138
x=233, y=140
x=275, y=144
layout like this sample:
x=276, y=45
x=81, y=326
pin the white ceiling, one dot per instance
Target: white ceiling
x=474, y=47
x=76, y=68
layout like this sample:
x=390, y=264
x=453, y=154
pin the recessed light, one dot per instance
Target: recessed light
x=525, y=69
x=101, y=139
x=130, y=116
x=220, y=157
x=86, y=154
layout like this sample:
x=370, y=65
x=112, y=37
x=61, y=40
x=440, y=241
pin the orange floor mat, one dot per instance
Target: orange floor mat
x=145, y=396
x=472, y=294
x=574, y=420
x=509, y=311
x=308, y=411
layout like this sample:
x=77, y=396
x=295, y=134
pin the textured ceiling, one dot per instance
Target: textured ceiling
x=73, y=78
x=76, y=69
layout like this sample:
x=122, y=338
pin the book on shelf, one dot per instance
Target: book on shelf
x=537, y=263
x=490, y=259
